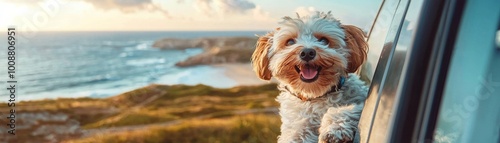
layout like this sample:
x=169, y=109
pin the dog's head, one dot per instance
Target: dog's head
x=310, y=53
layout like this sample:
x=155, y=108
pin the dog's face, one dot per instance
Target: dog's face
x=310, y=53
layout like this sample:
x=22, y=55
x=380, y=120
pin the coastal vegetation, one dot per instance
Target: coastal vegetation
x=155, y=113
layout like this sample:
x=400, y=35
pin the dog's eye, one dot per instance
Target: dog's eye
x=290, y=42
x=323, y=41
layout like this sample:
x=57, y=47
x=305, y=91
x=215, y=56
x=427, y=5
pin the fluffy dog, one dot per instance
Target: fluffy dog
x=314, y=57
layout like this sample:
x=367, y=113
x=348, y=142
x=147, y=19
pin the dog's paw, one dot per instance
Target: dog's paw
x=330, y=139
x=336, y=135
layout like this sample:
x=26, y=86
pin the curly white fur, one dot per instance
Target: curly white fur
x=332, y=116
x=310, y=110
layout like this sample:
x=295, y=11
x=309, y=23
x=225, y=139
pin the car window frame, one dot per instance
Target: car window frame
x=416, y=112
x=425, y=72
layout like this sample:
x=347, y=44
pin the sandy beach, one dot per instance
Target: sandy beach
x=242, y=73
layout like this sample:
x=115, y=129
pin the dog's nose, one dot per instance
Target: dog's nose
x=307, y=54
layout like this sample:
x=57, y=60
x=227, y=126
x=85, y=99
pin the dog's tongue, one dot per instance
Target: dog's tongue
x=308, y=72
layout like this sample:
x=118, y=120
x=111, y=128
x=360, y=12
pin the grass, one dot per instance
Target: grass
x=259, y=128
x=182, y=101
x=219, y=108
x=136, y=118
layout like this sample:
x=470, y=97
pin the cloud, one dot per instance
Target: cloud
x=125, y=6
x=223, y=7
x=303, y=11
x=261, y=15
x=128, y=6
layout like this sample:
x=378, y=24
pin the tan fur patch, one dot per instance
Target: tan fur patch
x=356, y=43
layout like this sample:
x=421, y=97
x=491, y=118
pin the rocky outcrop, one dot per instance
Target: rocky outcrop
x=41, y=126
x=173, y=43
x=218, y=56
x=217, y=49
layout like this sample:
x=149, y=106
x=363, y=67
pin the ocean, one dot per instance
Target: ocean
x=102, y=64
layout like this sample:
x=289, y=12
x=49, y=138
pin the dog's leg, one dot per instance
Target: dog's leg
x=339, y=123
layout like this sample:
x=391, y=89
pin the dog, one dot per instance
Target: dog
x=314, y=59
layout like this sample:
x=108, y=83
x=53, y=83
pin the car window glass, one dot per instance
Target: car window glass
x=383, y=31
x=388, y=70
x=469, y=110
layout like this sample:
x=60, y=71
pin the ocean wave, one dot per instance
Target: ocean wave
x=142, y=62
x=143, y=46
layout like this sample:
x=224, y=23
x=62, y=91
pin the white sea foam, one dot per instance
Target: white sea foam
x=143, y=62
x=142, y=46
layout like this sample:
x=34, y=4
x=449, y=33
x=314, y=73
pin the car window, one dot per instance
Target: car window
x=469, y=110
x=390, y=87
x=385, y=29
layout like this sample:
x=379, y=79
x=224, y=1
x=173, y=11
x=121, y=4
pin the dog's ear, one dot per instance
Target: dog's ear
x=260, y=61
x=356, y=43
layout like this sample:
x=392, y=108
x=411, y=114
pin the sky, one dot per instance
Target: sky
x=174, y=15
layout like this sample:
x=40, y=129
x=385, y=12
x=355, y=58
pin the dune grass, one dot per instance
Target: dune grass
x=183, y=101
x=147, y=106
x=258, y=128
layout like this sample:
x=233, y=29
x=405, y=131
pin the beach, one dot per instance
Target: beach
x=242, y=73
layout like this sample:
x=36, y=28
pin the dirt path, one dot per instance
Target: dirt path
x=136, y=107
